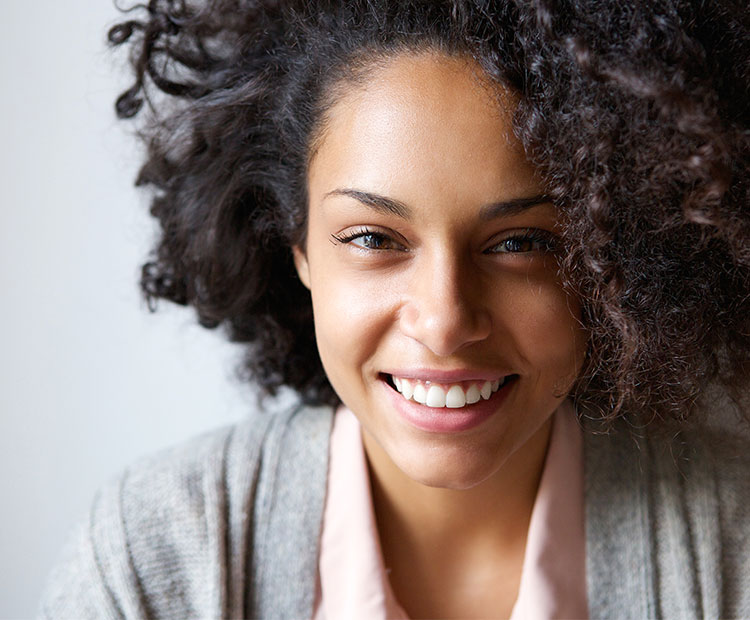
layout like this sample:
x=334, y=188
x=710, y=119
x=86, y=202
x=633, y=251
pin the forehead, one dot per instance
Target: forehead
x=423, y=120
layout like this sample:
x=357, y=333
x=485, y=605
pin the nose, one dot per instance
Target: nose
x=445, y=308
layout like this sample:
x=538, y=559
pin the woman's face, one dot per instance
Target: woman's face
x=429, y=256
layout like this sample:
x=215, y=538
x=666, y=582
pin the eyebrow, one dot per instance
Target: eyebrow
x=389, y=206
x=379, y=203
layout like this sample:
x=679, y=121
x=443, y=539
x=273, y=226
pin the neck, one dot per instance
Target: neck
x=418, y=521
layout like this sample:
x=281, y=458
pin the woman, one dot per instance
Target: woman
x=455, y=229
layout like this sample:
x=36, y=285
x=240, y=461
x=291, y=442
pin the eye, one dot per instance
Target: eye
x=529, y=240
x=368, y=240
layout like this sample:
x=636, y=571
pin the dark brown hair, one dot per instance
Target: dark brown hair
x=636, y=114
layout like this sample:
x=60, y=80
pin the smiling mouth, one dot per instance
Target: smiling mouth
x=450, y=396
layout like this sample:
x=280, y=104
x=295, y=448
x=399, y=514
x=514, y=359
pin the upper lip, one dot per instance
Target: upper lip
x=447, y=376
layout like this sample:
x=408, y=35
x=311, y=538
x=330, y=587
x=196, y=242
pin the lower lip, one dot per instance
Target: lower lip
x=445, y=419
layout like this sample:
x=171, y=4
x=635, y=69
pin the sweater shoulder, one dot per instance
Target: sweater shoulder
x=166, y=535
x=716, y=487
x=667, y=522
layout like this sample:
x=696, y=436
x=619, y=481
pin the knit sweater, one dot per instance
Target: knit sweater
x=228, y=526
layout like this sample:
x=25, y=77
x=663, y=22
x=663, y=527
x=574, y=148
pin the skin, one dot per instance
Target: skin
x=438, y=289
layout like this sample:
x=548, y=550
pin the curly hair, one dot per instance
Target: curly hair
x=635, y=113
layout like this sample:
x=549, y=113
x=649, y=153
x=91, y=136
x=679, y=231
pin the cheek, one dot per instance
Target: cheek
x=351, y=318
x=545, y=327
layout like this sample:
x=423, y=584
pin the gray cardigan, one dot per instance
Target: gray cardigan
x=228, y=526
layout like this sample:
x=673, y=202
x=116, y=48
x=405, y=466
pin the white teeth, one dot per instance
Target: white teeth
x=455, y=397
x=407, y=389
x=435, y=397
x=473, y=395
x=420, y=394
x=486, y=390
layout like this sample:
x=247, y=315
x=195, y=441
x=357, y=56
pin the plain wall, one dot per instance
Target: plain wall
x=89, y=379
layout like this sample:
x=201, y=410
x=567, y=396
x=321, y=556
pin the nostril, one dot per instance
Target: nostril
x=447, y=329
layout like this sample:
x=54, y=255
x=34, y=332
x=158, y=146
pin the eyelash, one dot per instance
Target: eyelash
x=365, y=232
x=546, y=241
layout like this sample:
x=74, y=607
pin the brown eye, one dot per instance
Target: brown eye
x=373, y=241
x=368, y=240
x=534, y=240
x=517, y=245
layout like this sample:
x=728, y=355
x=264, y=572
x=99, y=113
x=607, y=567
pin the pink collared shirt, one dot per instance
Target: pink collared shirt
x=352, y=580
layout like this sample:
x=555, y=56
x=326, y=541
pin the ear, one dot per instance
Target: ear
x=300, y=262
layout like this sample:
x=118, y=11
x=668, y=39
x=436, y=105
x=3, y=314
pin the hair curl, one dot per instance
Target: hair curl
x=636, y=114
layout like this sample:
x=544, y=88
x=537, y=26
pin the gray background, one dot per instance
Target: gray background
x=89, y=380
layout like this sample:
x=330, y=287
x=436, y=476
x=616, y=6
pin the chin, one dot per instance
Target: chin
x=457, y=472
